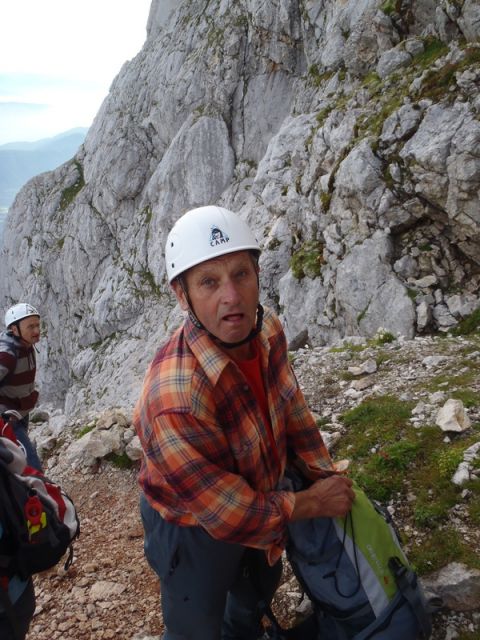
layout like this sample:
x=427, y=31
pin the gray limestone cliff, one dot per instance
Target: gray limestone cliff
x=347, y=133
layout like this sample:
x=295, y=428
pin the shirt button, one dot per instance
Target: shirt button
x=246, y=387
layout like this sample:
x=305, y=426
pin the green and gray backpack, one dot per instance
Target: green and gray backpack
x=357, y=577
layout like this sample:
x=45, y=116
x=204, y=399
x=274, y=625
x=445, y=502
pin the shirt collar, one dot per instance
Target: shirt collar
x=211, y=358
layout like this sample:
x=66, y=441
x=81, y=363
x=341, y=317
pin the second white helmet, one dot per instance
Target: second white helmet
x=18, y=312
x=205, y=233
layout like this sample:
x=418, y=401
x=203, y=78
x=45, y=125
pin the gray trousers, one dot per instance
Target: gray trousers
x=210, y=589
x=21, y=432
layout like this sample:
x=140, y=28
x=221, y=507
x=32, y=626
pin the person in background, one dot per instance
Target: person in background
x=220, y=417
x=17, y=371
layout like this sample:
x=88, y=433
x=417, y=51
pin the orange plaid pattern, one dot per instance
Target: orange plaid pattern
x=207, y=460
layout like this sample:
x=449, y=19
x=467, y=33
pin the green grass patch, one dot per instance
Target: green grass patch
x=346, y=375
x=349, y=346
x=308, y=260
x=469, y=397
x=381, y=358
x=70, y=193
x=433, y=49
x=438, y=81
x=390, y=458
x=412, y=293
x=433, y=504
x=385, y=411
x=84, y=430
x=373, y=123
x=447, y=461
x=375, y=423
x=325, y=199
x=381, y=473
x=372, y=79
x=467, y=326
x=147, y=212
x=426, y=248
x=431, y=477
x=445, y=381
x=316, y=77
x=389, y=7
x=439, y=548
x=120, y=460
x=323, y=114
x=474, y=506
x=472, y=347
x=384, y=337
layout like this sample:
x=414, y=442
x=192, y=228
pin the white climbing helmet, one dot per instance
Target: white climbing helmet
x=18, y=312
x=205, y=233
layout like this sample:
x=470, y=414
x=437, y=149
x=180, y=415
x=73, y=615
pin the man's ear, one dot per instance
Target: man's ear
x=180, y=295
x=14, y=330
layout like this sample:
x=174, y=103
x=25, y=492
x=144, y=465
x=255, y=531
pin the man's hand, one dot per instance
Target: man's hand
x=328, y=498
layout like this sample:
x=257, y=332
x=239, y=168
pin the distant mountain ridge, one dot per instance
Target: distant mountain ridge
x=20, y=161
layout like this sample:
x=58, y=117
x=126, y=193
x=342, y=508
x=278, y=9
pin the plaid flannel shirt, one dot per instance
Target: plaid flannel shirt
x=207, y=453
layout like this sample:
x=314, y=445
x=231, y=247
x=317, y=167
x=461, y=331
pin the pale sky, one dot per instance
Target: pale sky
x=58, y=59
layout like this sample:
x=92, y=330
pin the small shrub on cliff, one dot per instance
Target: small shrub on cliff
x=69, y=194
x=433, y=49
x=84, y=430
x=308, y=260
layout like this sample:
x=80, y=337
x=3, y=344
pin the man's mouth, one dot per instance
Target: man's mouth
x=233, y=317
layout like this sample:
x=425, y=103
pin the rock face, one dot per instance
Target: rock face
x=346, y=133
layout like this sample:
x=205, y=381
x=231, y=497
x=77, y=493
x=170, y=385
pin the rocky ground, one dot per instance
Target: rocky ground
x=110, y=591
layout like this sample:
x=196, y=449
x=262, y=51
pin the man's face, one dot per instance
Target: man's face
x=224, y=295
x=28, y=329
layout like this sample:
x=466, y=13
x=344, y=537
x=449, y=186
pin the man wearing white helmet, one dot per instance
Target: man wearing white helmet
x=219, y=417
x=18, y=369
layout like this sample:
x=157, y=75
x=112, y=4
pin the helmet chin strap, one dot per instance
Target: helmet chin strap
x=19, y=334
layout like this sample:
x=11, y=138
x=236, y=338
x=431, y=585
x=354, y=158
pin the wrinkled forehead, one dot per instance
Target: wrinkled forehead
x=224, y=262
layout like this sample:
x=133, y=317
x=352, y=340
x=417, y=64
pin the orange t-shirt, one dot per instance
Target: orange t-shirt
x=252, y=371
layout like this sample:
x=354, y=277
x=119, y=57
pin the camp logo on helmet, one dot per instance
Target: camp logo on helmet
x=217, y=236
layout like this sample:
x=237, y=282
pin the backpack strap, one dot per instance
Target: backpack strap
x=7, y=605
x=306, y=630
x=408, y=586
x=407, y=591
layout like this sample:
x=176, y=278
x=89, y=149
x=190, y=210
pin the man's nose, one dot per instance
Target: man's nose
x=230, y=291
